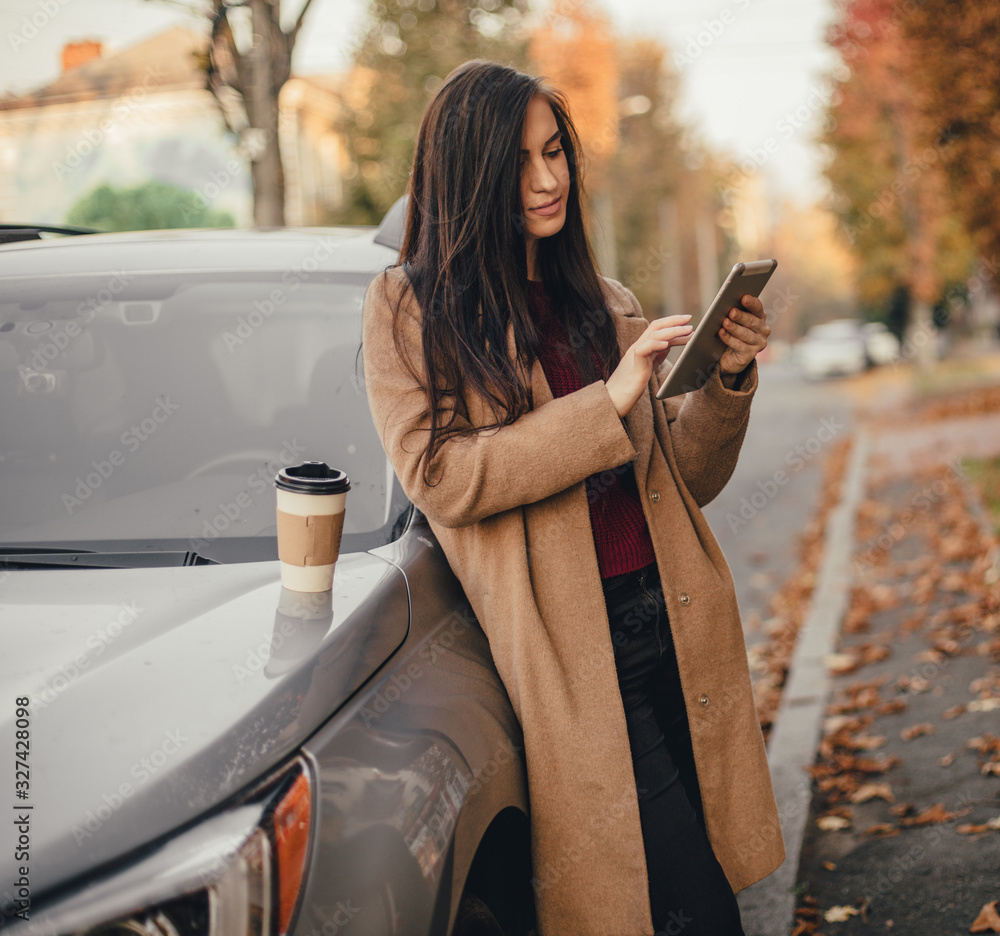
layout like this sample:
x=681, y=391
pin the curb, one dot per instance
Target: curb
x=768, y=907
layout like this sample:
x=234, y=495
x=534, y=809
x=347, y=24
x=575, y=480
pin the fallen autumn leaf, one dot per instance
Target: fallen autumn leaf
x=869, y=791
x=988, y=920
x=839, y=914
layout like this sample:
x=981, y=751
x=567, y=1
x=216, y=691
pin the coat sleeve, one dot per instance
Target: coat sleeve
x=477, y=474
x=706, y=426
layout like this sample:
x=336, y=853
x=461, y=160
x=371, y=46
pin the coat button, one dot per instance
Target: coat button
x=684, y=599
x=703, y=700
x=654, y=496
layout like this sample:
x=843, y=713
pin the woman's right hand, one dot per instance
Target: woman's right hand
x=632, y=374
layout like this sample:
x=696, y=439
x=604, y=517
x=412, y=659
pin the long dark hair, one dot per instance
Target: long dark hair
x=465, y=256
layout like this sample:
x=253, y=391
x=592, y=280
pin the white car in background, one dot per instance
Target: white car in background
x=833, y=348
x=881, y=345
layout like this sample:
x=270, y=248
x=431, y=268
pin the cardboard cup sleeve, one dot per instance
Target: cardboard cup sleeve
x=311, y=540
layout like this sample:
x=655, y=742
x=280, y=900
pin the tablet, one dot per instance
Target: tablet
x=704, y=349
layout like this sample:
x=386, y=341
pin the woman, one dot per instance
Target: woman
x=513, y=391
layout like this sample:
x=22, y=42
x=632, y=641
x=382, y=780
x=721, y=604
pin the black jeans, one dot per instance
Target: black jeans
x=688, y=890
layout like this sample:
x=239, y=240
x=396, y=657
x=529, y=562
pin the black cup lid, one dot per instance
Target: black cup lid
x=312, y=477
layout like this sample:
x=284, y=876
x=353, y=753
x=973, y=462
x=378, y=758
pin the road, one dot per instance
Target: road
x=776, y=486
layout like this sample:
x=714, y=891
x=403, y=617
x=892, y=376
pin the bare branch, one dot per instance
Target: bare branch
x=222, y=110
x=294, y=34
x=223, y=33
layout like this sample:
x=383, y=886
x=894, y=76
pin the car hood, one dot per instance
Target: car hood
x=158, y=693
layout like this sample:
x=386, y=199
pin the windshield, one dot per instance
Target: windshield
x=159, y=407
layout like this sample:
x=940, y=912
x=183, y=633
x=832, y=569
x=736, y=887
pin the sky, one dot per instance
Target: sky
x=754, y=72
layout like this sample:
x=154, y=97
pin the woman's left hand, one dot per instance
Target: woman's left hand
x=745, y=335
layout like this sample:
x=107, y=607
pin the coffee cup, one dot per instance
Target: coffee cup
x=310, y=509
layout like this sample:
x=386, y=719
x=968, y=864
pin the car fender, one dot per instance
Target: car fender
x=414, y=771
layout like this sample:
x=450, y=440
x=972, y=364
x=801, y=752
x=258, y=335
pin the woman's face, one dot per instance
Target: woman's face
x=544, y=171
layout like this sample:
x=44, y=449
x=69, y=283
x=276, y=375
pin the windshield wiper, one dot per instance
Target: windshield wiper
x=24, y=557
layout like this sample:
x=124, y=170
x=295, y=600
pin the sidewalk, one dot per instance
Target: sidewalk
x=894, y=822
x=904, y=825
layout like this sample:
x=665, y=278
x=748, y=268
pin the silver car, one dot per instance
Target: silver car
x=193, y=750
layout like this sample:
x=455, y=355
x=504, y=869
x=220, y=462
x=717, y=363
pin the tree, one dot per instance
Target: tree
x=574, y=48
x=246, y=83
x=887, y=177
x=655, y=199
x=646, y=173
x=956, y=67
x=814, y=279
x=152, y=205
x=401, y=59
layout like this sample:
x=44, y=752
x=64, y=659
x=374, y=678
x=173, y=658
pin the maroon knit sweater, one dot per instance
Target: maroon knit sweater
x=620, y=532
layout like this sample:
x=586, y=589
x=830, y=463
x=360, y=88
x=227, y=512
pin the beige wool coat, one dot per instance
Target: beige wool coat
x=511, y=514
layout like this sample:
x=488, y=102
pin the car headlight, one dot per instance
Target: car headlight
x=238, y=873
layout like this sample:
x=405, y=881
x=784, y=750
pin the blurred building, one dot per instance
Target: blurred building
x=144, y=114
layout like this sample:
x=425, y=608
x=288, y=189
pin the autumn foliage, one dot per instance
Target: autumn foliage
x=956, y=71
x=887, y=166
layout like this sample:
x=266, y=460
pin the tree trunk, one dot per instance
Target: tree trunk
x=708, y=258
x=262, y=109
x=671, y=282
x=604, y=235
x=921, y=335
